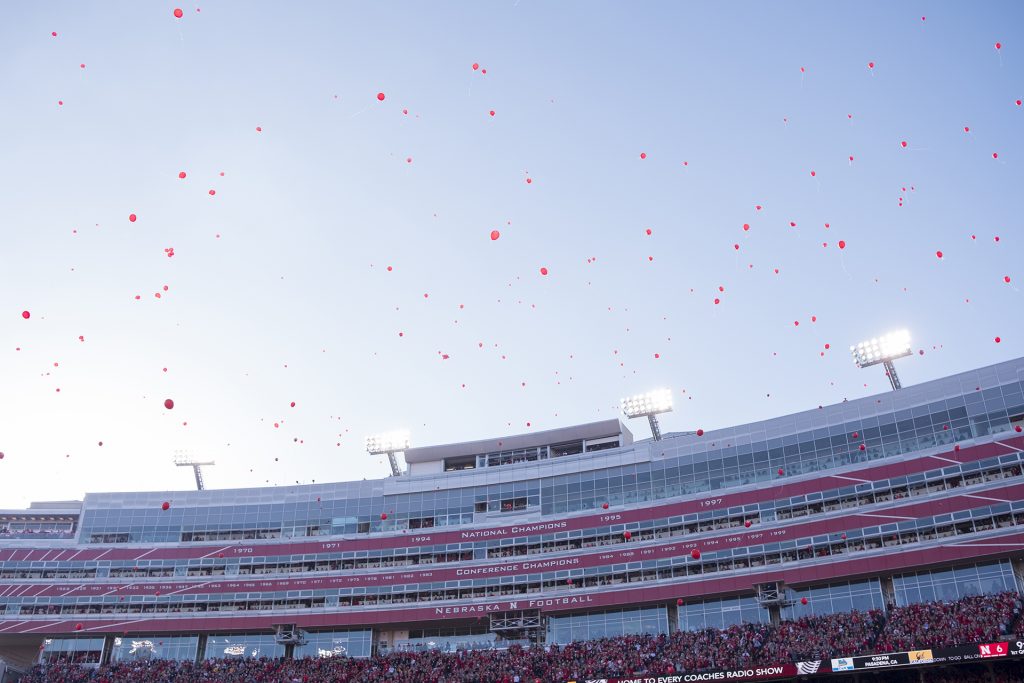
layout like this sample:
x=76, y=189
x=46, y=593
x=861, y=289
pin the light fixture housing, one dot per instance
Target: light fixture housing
x=882, y=349
x=388, y=442
x=651, y=403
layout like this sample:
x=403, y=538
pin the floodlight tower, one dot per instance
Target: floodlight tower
x=184, y=460
x=884, y=350
x=650, y=404
x=390, y=443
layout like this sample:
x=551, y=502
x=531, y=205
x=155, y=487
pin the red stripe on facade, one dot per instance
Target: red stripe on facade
x=893, y=561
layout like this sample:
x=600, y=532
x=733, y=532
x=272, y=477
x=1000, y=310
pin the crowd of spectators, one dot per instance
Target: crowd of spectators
x=968, y=620
x=938, y=624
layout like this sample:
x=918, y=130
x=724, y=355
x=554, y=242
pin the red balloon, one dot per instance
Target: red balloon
x=26, y=315
x=383, y=516
x=938, y=254
x=165, y=506
x=643, y=155
x=380, y=97
x=603, y=505
x=131, y=217
x=293, y=404
x=495, y=235
x=863, y=447
x=178, y=14
x=475, y=66
x=543, y=271
x=679, y=602
x=1006, y=278
x=999, y=46
x=181, y=174
x=648, y=231
x=78, y=627
x=871, y=65
x=998, y=340
x=747, y=523
x=700, y=432
x=781, y=472
x=903, y=144
x=1, y=456
x=803, y=601
x=213, y=192
x=492, y=112
x=626, y=535
x=746, y=226
x=842, y=244
x=995, y=155
x=168, y=404
x=695, y=554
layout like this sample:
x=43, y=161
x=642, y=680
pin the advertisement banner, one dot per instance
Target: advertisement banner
x=937, y=655
x=870, y=662
x=758, y=673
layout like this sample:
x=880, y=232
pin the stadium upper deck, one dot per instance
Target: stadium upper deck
x=570, y=533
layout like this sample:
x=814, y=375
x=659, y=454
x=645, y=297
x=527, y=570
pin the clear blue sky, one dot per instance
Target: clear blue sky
x=293, y=300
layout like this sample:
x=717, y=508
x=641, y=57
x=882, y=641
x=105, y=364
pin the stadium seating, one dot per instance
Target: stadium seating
x=968, y=620
x=937, y=624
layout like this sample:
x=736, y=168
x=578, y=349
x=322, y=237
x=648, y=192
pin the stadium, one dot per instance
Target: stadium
x=875, y=538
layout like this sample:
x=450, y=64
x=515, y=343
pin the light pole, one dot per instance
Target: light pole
x=182, y=459
x=390, y=443
x=650, y=404
x=884, y=350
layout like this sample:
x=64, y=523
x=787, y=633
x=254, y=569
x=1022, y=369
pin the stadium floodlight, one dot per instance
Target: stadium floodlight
x=884, y=350
x=390, y=443
x=651, y=404
x=183, y=459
